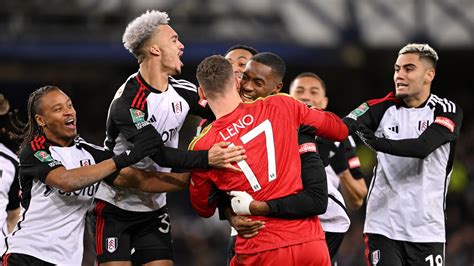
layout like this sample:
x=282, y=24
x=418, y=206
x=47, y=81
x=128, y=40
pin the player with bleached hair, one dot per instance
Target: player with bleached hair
x=128, y=219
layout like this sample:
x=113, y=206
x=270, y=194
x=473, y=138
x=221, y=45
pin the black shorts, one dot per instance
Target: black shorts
x=139, y=237
x=334, y=241
x=17, y=259
x=382, y=251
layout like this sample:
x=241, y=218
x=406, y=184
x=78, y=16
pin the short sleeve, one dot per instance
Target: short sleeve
x=37, y=163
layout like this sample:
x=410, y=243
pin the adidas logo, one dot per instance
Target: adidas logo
x=393, y=129
x=152, y=119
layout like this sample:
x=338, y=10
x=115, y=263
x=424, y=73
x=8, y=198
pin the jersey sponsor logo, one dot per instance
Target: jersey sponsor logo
x=423, y=124
x=233, y=129
x=307, y=147
x=177, y=107
x=85, y=192
x=359, y=111
x=393, y=129
x=112, y=244
x=446, y=122
x=138, y=118
x=169, y=134
x=375, y=257
x=43, y=156
x=85, y=162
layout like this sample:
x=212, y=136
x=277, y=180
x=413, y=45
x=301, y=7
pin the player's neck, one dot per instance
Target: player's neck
x=419, y=99
x=153, y=75
x=224, y=105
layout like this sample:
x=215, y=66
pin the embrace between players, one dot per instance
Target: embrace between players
x=262, y=155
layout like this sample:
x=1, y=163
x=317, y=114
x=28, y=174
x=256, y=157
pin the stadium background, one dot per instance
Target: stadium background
x=352, y=45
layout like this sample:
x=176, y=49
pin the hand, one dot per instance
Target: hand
x=141, y=148
x=373, y=142
x=246, y=227
x=221, y=156
x=241, y=202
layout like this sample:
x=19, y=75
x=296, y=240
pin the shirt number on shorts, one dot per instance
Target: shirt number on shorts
x=438, y=260
x=165, y=223
x=266, y=128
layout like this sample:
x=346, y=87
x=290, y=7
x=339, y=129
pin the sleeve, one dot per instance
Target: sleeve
x=128, y=118
x=338, y=160
x=133, y=124
x=201, y=194
x=14, y=191
x=14, y=195
x=326, y=124
x=353, y=161
x=37, y=163
x=369, y=113
x=313, y=199
x=445, y=128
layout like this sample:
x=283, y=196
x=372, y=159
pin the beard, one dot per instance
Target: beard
x=401, y=96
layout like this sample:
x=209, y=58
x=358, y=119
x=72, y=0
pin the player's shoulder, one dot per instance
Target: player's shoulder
x=444, y=105
x=82, y=143
x=199, y=142
x=389, y=99
x=182, y=85
x=37, y=150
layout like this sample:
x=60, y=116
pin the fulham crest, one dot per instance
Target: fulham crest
x=112, y=244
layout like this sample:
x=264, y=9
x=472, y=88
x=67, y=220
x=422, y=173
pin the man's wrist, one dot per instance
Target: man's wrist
x=260, y=208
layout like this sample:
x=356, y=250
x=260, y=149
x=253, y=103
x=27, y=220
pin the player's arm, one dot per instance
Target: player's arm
x=326, y=124
x=151, y=181
x=347, y=166
x=13, y=207
x=369, y=113
x=311, y=201
x=41, y=165
x=200, y=194
x=129, y=121
x=445, y=128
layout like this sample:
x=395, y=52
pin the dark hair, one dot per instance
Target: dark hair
x=272, y=60
x=213, y=73
x=32, y=129
x=312, y=75
x=250, y=49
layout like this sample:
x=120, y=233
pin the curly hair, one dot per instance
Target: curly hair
x=141, y=29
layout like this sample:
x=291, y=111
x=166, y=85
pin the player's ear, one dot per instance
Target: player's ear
x=324, y=103
x=154, y=50
x=40, y=120
x=277, y=88
x=201, y=94
x=429, y=75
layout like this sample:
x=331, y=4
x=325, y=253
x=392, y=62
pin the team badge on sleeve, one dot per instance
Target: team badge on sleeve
x=138, y=118
x=43, y=156
x=359, y=111
x=112, y=244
